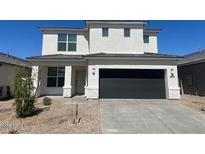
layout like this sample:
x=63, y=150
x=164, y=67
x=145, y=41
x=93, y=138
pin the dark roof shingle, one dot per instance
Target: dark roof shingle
x=146, y=55
x=102, y=55
x=9, y=59
x=195, y=57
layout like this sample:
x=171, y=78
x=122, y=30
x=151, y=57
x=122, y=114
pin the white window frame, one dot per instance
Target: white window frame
x=62, y=42
x=71, y=42
x=67, y=41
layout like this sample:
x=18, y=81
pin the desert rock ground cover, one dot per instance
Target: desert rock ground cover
x=58, y=117
x=55, y=118
x=195, y=102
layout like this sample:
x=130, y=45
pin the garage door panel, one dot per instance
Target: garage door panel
x=138, y=87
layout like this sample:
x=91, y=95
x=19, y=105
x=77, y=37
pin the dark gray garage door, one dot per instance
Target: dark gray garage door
x=129, y=83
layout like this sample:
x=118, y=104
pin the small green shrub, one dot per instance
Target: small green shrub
x=13, y=131
x=47, y=101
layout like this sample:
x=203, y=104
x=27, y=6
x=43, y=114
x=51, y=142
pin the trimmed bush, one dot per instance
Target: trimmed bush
x=47, y=101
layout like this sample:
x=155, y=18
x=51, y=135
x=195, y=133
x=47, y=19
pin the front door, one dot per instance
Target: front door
x=80, y=81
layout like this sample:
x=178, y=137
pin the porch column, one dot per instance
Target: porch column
x=92, y=90
x=35, y=77
x=171, y=83
x=67, y=89
x=86, y=80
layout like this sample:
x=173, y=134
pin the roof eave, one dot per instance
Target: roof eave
x=54, y=60
x=128, y=58
x=115, y=23
x=44, y=29
x=156, y=30
x=191, y=62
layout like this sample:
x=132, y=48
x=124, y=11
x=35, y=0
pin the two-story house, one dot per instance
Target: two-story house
x=106, y=59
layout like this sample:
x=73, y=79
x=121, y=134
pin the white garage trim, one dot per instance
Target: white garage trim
x=171, y=83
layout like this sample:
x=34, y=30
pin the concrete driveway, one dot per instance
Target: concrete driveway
x=149, y=117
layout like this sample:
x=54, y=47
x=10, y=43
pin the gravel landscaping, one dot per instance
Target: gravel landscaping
x=58, y=117
x=195, y=102
x=55, y=118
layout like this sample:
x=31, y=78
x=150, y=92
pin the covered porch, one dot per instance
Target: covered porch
x=62, y=75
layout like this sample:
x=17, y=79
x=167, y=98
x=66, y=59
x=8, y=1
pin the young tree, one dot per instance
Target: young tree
x=23, y=93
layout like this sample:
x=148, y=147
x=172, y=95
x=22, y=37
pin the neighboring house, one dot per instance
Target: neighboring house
x=191, y=70
x=105, y=59
x=8, y=66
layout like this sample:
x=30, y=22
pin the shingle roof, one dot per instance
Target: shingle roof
x=59, y=56
x=102, y=55
x=146, y=55
x=152, y=30
x=9, y=59
x=195, y=57
x=56, y=57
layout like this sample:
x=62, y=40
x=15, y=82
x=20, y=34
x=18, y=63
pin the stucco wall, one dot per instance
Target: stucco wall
x=50, y=43
x=92, y=90
x=91, y=41
x=7, y=74
x=92, y=85
x=116, y=42
x=151, y=47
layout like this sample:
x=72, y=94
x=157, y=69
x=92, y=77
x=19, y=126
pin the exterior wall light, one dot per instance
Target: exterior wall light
x=172, y=74
x=93, y=71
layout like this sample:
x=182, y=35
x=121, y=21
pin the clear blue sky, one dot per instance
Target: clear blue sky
x=23, y=38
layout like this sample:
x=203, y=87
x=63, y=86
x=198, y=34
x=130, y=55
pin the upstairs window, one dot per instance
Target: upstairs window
x=72, y=41
x=146, y=38
x=67, y=42
x=105, y=32
x=62, y=39
x=126, y=32
x=56, y=76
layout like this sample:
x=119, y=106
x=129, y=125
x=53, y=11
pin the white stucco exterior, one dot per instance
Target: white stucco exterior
x=116, y=42
x=90, y=41
x=50, y=42
x=171, y=84
x=151, y=47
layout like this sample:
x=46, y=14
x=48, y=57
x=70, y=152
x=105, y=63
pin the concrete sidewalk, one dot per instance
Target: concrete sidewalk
x=149, y=117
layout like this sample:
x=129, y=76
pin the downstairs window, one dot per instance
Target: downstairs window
x=55, y=77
